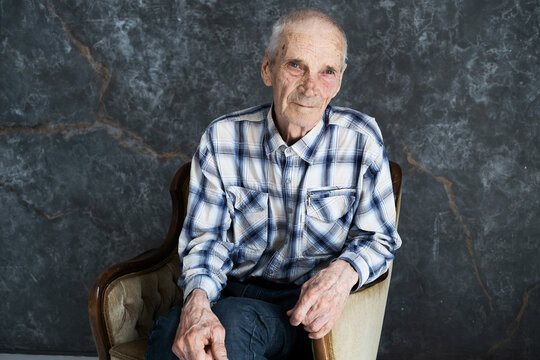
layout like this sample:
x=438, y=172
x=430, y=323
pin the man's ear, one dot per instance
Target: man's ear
x=266, y=70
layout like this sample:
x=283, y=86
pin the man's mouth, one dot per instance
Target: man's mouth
x=307, y=106
x=305, y=102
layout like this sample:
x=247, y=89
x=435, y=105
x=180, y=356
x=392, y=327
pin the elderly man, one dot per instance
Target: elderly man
x=290, y=209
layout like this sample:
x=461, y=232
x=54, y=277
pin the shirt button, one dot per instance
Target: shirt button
x=288, y=181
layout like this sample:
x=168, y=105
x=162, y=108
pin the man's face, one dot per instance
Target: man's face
x=306, y=73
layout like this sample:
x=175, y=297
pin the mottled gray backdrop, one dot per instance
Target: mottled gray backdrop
x=102, y=100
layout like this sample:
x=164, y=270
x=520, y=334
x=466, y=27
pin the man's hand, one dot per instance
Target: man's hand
x=322, y=298
x=200, y=335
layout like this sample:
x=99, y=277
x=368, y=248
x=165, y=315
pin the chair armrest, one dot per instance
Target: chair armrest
x=357, y=332
x=123, y=309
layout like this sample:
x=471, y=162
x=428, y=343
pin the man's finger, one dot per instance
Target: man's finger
x=321, y=333
x=298, y=313
x=316, y=324
x=195, y=346
x=218, y=351
x=217, y=343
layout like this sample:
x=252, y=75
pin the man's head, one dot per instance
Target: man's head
x=298, y=16
x=304, y=64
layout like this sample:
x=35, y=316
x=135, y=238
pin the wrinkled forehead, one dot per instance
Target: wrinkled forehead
x=313, y=34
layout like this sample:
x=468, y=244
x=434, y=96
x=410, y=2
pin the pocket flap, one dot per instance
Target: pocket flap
x=247, y=200
x=330, y=205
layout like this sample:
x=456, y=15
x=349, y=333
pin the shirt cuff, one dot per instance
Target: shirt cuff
x=202, y=282
x=361, y=269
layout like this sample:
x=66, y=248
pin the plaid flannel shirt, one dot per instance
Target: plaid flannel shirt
x=260, y=208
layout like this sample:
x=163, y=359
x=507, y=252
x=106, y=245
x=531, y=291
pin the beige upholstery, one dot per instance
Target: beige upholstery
x=133, y=350
x=133, y=301
x=356, y=334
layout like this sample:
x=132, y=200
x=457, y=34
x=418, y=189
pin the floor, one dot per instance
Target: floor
x=43, y=357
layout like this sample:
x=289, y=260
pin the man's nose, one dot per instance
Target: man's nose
x=309, y=84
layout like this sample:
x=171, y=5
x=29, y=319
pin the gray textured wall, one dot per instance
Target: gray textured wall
x=101, y=101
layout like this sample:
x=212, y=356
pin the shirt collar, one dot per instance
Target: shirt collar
x=305, y=147
x=273, y=139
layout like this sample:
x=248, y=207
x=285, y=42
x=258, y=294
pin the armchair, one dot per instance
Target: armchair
x=126, y=298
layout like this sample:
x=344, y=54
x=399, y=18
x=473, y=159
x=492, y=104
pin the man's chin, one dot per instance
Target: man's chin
x=305, y=117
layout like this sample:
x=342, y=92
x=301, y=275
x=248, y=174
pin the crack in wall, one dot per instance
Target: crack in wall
x=132, y=143
x=29, y=205
x=127, y=138
x=514, y=327
x=89, y=212
x=51, y=129
x=447, y=184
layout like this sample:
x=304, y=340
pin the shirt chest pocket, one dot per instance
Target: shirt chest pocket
x=329, y=205
x=329, y=213
x=249, y=214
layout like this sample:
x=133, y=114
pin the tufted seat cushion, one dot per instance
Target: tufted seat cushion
x=133, y=350
x=133, y=301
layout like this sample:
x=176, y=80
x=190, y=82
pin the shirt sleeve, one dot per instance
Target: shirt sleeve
x=203, y=246
x=373, y=238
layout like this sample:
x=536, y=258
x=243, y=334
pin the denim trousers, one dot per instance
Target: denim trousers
x=255, y=321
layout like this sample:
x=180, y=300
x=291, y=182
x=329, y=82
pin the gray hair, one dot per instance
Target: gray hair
x=297, y=16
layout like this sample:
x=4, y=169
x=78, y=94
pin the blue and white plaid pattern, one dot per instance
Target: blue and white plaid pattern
x=260, y=208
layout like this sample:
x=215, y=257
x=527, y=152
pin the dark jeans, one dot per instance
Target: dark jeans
x=255, y=320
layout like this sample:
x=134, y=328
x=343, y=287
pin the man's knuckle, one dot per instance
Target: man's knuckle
x=190, y=337
x=325, y=329
x=219, y=328
x=218, y=335
x=307, y=298
x=180, y=343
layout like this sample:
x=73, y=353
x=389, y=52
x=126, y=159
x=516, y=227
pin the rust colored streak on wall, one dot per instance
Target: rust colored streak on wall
x=127, y=138
x=514, y=327
x=447, y=184
x=98, y=68
x=132, y=142
x=28, y=205
x=50, y=129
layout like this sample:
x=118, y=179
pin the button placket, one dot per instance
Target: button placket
x=287, y=187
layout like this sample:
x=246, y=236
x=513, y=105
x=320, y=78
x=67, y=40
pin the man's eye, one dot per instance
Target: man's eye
x=329, y=72
x=294, y=65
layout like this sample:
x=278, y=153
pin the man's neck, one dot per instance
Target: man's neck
x=291, y=133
